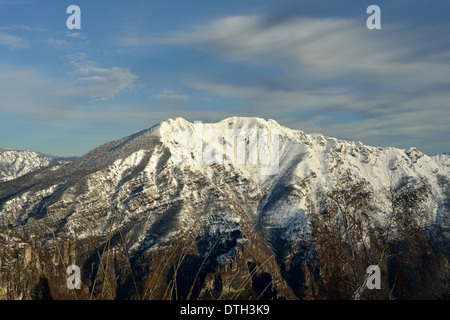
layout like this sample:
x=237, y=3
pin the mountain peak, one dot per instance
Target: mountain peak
x=229, y=122
x=146, y=190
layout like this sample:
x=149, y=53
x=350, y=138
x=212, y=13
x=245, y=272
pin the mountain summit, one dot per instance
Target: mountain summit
x=234, y=209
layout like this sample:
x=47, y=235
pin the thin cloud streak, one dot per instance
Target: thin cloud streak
x=12, y=42
x=30, y=92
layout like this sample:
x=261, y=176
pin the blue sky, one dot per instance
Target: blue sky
x=310, y=65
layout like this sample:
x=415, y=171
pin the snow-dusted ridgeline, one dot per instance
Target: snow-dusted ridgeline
x=135, y=184
x=15, y=163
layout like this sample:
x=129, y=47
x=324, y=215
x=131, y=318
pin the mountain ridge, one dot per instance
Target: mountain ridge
x=148, y=188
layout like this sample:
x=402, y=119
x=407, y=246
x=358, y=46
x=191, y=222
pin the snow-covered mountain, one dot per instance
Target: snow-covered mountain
x=235, y=206
x=15, y=163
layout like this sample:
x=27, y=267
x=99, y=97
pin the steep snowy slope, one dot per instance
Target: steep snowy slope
x=16, y=163
x=247, y=182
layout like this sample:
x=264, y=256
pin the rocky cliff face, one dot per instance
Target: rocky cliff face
x=144, y=218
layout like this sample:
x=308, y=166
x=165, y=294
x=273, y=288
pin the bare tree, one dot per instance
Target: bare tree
x=341, y=229
x=353, y=230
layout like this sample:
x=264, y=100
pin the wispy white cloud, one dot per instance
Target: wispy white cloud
x=76, y=35
x=58, y=43
x=171, y=95
x=328, y=46
x=34, y=94
x=12, y=42
x=99, y=83
x=225, y=89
